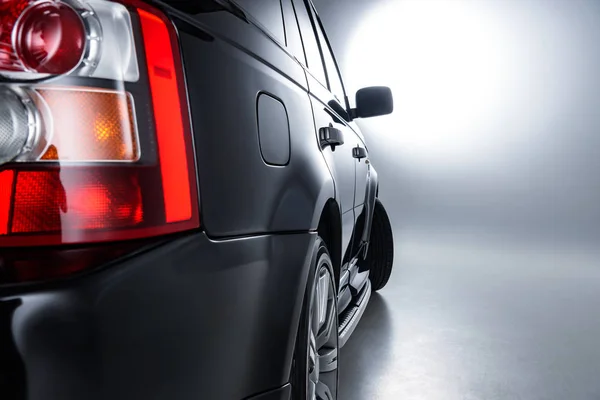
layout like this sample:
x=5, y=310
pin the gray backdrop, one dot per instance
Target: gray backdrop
x=489, y=169
x=496, y=122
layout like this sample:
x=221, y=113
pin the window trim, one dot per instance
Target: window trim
x=304, y=62
x=309, y=4
x=255, y=22
x=311, y=9
x=285, y=36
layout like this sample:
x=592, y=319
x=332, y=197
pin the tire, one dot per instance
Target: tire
x=380, y=257
x=325, y=367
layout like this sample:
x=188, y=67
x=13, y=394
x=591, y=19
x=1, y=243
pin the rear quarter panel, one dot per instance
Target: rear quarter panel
x=228, y=63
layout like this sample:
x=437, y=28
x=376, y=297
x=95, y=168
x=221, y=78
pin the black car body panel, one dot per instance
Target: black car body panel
x=240, y=193
x=212, y=313
x=192, y=317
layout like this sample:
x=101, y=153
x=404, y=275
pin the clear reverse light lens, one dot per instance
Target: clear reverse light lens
x=42, y=39
x=50, y=38
x=14, y=125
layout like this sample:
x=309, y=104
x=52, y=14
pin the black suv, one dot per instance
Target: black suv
x=187, y=209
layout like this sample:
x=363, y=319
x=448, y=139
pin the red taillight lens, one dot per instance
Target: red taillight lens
x=10, y=10
x=78, y=200
x=50, y=38
x=6, y=187
x=103, y=160
x=170, y=116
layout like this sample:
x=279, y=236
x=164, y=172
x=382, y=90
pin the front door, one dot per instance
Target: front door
x=342, y=159
x=340, y=162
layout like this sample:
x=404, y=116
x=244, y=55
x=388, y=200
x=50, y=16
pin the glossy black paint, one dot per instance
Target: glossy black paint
x=12, y=368
x=193, y=318
x=373, y=102
x=283, y=393
x=213, y=314
x=240, y=193
x=273, y=130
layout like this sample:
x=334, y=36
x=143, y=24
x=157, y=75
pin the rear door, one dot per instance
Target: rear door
x=355, y=140
x=359, y=149
x=328, y=101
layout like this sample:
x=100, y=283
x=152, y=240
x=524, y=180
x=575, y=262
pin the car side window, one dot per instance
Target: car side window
x=292, y=32
x=268, y=14
x=311, y=46
x=335, y=82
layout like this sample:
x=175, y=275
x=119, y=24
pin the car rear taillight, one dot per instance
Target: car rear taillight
x=49, y=38
x=95, y=141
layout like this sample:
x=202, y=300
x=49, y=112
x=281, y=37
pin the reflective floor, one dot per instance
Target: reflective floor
x=468, y=318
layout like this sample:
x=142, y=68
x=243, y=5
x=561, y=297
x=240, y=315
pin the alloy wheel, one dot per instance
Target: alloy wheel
x=323, y=339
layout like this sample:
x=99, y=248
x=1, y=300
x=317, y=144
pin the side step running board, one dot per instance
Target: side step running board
x=351, y=317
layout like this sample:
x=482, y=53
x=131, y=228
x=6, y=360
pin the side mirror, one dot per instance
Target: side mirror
x=373, y=102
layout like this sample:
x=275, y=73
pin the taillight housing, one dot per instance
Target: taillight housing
x=95, y=136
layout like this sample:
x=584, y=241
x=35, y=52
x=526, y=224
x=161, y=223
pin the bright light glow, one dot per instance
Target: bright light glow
x=450, y=65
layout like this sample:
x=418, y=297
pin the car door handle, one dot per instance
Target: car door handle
x=359, y=152
x=330, y=136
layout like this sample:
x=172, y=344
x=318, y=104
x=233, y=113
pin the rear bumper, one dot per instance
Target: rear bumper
x=283, y=393
x=193, y=318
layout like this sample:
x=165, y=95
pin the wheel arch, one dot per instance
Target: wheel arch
x=371, y=196
x=330, y=231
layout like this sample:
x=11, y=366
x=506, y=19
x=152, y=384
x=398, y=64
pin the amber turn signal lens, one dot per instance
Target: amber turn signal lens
x=91, y=126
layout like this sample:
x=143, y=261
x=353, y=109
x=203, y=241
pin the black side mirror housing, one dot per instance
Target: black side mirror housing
x=373, y=101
